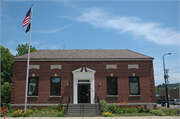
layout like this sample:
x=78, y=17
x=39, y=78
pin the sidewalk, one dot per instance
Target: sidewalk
x=135, y=117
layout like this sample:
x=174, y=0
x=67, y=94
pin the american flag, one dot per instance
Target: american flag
x=27, y=18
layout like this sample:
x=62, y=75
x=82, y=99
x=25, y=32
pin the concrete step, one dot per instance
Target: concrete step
x=76, y=110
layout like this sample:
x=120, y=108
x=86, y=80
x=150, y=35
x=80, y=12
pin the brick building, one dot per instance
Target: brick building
x=113, y=75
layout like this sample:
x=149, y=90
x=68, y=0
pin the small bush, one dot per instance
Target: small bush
x=10, y=108
x=112, y=107
x=64, y=109
x=18, y=113
x=60, y=114
x=59, y=107
x=147, y=110
x=50, y=107
x=103, y=109
x=44, y=109
x=108, y=114
x=141, y=109
x=103, y=103
x=172, y=112
x=35, y=110
x=157, y=112
x=119, y=110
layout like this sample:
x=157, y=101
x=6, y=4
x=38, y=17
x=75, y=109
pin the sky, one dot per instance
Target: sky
x=146, y=27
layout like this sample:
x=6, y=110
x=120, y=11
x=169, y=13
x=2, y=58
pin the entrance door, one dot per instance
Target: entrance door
x=84, y=93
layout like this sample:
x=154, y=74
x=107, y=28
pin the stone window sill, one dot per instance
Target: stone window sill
x=54, y=96
x=33, y=96
x=112, y=96
x=134, y=95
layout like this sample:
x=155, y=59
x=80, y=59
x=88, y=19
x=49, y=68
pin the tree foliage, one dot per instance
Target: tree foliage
x=6, y=65
x=23, y=49
x=5, y=92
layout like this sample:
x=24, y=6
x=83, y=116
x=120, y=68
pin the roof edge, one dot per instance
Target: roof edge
x=85, y=59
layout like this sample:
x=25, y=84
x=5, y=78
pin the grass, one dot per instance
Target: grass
x=45, y=114
x=53, y=114
x=134, y=114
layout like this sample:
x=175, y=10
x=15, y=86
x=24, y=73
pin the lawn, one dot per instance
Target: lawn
x=134, y=114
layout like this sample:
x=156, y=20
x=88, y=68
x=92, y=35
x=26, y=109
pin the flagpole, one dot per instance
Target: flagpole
x=27, y=75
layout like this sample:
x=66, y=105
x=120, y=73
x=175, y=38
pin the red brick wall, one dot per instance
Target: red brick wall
x=145, y=73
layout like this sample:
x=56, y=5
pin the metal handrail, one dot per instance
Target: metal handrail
x=99, y=104
x=68, y=104
x=83, y=106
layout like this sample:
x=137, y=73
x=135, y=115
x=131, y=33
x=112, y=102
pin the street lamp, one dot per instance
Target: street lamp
x=165, y=76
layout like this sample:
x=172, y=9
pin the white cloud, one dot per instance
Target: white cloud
x=152, y=31
x=55, y=30
x=14, y=52
x=54, y=47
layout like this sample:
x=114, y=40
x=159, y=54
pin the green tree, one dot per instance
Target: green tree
x=6, y=65
x=5, y=92
x=23, y=49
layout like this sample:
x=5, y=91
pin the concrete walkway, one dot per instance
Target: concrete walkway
x=135, y=117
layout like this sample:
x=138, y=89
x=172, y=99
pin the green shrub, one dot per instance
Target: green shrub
x=172, y=112
x=103, y=103
x=10, y=108
x=112, y=107
x=35, y=110
x=157, y=112
x=141, y=109
x=147, y=110
x=59, y=107
x=60, y=114
x=103, y=106
x=119, y=110
x=51, y=107
x=103, y=109
x=44, y=109
x=64, y=109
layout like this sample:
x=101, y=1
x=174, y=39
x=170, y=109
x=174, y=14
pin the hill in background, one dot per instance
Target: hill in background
x=171, y=86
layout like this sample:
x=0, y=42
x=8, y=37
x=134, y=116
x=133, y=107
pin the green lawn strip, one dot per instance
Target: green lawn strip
x=9, y=115
x=134, y=114
x=53, y=114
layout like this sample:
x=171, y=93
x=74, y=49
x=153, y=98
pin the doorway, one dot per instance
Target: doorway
x=84, y=93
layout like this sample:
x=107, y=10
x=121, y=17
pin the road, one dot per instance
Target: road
x=171, y=106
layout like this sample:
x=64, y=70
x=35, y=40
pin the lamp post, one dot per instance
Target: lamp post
x=165, y=76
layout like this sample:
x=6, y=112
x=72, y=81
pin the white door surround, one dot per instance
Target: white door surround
x=78, y=74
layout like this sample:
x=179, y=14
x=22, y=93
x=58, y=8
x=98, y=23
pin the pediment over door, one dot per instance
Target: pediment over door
x=83, y=70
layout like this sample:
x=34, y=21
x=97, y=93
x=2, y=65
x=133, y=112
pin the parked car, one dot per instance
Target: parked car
x=174, y=101
x=159, y=101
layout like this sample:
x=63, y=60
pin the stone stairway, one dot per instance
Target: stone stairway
x=76, y=110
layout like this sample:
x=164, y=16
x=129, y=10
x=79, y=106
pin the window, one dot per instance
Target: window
x=33, y=86
x=134, y=85
x=55, y=86
x=111, y=85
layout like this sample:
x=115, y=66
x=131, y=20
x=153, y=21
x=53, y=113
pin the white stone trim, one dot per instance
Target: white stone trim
x=112, y=95
x=133, y=66
x=33, y=96
x=33, y=66
x=55, y=66
x=113, y=66
x=55, y=96
x=88, y=75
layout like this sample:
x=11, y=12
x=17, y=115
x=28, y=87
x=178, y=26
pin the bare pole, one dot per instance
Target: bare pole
x=27, y=75
x=165, y=76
